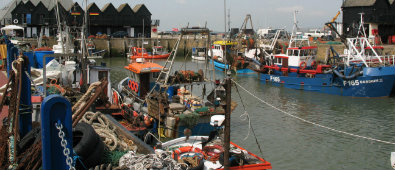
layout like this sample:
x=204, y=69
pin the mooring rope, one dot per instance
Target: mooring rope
x=313, y=123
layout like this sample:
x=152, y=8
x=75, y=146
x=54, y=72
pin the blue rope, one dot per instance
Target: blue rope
x=75, y=158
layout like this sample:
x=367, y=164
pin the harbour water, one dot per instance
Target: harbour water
x=290, y=143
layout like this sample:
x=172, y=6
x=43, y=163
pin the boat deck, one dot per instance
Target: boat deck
x=3, y=81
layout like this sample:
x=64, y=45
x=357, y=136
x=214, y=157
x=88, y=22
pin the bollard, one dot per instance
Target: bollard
x=55, y=108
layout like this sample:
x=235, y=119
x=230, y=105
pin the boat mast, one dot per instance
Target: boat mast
x=59, y=25
x=294, y=30
x=225, y=33
x=227, y=121
x=83, y=47
x=142, y=43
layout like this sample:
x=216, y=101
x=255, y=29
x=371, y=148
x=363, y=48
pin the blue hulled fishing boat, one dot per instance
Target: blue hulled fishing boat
x=360, y=72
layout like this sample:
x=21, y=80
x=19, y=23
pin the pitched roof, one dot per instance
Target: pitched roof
x=137, y=7
x=105, y=6
x=67, y=4
x=90, y=5
x=356, y=3
x=74, y=4
x=120, y=8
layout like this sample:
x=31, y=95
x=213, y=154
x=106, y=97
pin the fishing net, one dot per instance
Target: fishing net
x=190, y=119
x=112, y=157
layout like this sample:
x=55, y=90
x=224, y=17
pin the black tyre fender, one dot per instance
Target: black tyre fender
x=95, y=158
x=85, y=140
x=29, y=139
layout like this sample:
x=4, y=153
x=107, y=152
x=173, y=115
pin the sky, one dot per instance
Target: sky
x=264, y=13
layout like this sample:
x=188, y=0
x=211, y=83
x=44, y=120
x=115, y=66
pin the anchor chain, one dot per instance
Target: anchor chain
x=63, y=143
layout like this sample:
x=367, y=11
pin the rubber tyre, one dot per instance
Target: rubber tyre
x=95, y=158
x=85, y=140
x=29, y=139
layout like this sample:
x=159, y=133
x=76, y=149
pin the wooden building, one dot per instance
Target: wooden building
x=39, y=16
x=379, y=15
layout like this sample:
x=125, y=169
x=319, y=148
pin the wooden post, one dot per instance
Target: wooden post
x=227, y=121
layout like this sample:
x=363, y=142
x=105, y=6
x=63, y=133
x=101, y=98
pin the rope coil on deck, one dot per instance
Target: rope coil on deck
x=313, y=123
x=106, y=131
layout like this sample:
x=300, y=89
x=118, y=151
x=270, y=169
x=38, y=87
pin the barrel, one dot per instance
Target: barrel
x=30, y=56
x=40, y=56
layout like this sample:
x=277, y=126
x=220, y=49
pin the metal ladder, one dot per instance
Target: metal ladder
x=169, y=63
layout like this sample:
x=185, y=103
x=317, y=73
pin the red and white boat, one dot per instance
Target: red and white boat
x=158, y=52
x=210, y=150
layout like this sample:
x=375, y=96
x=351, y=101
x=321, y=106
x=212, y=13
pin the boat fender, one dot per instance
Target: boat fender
x=302, y=65
x=135, y=114
x=147, y=121
x=85, y=139
x=115, y=98
x=95, y=158
x=350, y=77
x=176, y=154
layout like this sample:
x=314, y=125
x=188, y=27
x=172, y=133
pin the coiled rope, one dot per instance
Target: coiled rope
x=106, y=130
x=313, y=123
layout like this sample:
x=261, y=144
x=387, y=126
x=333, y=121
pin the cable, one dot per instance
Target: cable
x=249, y=122
x=310, y=122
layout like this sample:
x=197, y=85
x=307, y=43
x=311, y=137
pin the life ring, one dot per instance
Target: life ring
x=302, y=65
x=135, y=86
x=176, y=154
x=131, y=85
x=15, y=21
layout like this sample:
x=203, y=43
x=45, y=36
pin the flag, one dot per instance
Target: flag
x=75, y=13
x=93, y=13
x=175, y=29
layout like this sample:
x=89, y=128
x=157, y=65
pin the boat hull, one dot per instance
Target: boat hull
x=163, y=56
x=222, y=67
x=198, y=58
x=375, y=82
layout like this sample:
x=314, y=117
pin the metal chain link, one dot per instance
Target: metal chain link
x=63, y=143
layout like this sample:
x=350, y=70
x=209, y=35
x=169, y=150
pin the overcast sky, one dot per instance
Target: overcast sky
x=265, y=13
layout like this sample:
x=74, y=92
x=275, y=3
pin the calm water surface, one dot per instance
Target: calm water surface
x=289, y=143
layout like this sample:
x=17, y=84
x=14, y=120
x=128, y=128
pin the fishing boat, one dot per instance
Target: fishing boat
x=158, y=53
x=199, y=53
x=223, y=52
x=93, y=53
x=347, y=76
x=158, y=97
x=174, y=111
x=207, y=152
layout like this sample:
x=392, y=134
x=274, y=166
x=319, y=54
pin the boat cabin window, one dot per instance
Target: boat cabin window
x=278, y=61
x=155, y=75
x=293, y=52
x=134, y=77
